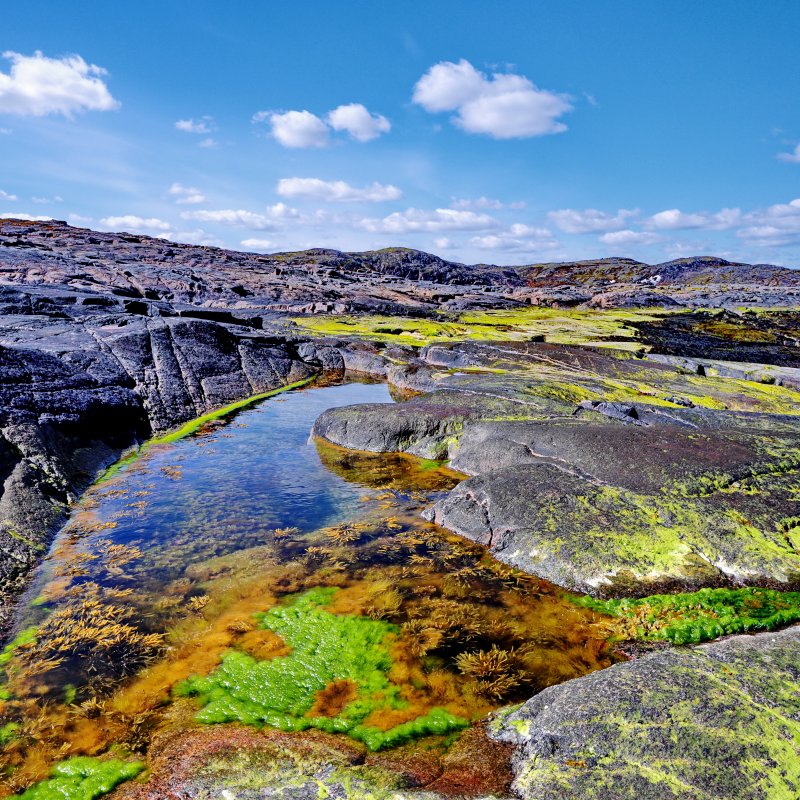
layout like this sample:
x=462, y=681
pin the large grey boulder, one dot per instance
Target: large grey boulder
x=715, y=722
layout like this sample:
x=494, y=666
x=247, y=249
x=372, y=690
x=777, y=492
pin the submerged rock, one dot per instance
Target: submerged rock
x=715, y=722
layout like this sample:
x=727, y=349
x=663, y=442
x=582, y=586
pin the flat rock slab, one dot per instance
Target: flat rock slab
x=615, y=496
x=715, y=722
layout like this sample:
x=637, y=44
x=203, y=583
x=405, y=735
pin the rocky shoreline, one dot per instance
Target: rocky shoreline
x=622, y=458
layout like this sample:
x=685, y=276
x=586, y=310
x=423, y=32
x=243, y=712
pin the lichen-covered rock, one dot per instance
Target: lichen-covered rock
x=715, y=722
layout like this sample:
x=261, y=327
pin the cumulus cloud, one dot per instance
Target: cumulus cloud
x=518, y=238
x=629, y=237
x=197, y=236
x=444, y=243
x=78, y=219
x=440, y=219
x=202, y=125
x=257, y=244
x=27, y=217
x=336, y=191
x=358, y=122
x=135, y=224
x=186, y=195
x=7, y=196
x=776, y=225
x=302, y=129
x=273, y=217
x=503, y=106
x=674, y=219
x=589, y=220
x=793, y=157
x=37, y=85
x=295, y=129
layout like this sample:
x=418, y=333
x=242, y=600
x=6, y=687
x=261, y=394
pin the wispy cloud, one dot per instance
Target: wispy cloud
x=336, y=191
x=186, y=195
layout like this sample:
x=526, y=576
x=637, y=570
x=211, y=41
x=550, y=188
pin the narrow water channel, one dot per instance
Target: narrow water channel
x=206, y=580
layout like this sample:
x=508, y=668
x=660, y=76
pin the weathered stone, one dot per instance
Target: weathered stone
x=714, y=722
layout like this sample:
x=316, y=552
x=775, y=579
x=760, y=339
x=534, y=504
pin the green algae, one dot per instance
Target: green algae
x=193, y=425
x=606, y=327
x=82, y=778
x=325, y=648
x=703, y=615
x=27, y=636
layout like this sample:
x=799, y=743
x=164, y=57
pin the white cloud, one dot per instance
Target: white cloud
x=197, y=236
x=589, y=220
x=336, y=191
x=358, y=122
x=440, y=219
x=518, y=238
x=295, y=128
x=503, y=106
x=629, y=237
x=135, y=224
x=186, y=195
x=257, y=244
x=37, y=85
x=7, y=196
x=443, y=243
x=228, y=216
x=202, y=125
x=43, y=200
x=793, y=157
x=208, y=143
x=674, y=219
x=484, y=202
x=777, y=225
x=27, y=217
x=78, y=219
x=5, y=131
x=274, y=217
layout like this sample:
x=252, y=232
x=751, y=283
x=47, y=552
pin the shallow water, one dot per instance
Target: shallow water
x=160, y=571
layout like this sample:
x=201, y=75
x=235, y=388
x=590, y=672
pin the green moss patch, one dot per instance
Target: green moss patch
x=325, y=649
x=82, y=778
x=703, y=615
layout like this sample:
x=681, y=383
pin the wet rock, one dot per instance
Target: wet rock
x=715, y=721
x=230, y=762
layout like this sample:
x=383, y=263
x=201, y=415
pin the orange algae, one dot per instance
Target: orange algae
x=446, y=597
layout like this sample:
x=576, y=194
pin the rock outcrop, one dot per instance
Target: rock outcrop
x=665, y=484
x=715, y=722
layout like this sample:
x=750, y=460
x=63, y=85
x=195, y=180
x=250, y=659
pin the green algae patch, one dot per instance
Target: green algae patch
x=607, y=327
x=82, y=778
x=193, y=425
x=703, y=615
x=327, y=651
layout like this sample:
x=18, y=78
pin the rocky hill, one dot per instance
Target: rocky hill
x=127, y=267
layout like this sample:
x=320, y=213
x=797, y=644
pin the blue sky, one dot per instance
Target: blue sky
x=503, y=132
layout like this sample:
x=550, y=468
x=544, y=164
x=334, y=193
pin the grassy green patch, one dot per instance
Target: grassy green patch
x=325, y=649
x=703, y=615
x=82, y=778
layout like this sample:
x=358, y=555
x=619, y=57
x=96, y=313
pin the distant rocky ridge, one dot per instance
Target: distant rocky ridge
x=394, y=280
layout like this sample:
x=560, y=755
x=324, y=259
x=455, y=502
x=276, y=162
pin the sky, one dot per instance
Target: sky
x=502, y=132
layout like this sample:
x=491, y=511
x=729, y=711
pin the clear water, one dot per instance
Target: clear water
x=160, y=570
